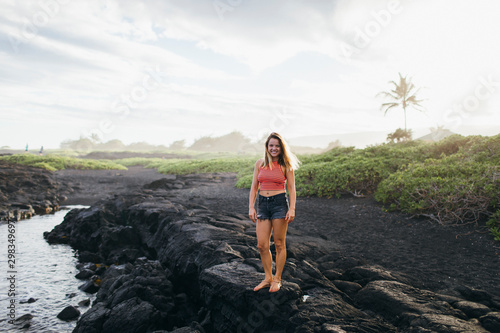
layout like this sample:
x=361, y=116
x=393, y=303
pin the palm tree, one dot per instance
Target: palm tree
x=403, y=94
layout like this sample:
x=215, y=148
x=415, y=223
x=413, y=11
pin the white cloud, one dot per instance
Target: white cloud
x=75, y=61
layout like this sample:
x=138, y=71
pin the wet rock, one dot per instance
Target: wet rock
x=92, y=320
x=24, y=317
x=30, y=300
x=84, y=274
x=84, y=303
x=69, y=313
x=89, y=287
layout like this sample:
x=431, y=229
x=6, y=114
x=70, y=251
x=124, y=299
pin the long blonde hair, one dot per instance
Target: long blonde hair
x=286, y=157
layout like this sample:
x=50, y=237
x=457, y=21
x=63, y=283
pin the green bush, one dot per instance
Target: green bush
x=450, y=190
x=347, y=174
x=183, y=167
x=152, y=163
x=244, y=180
x=54, y=163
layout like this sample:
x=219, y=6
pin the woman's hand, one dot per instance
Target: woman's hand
x=252, y=214
x=290, y=216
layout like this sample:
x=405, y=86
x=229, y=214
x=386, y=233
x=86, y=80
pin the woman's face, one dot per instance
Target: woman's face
x=274, y=148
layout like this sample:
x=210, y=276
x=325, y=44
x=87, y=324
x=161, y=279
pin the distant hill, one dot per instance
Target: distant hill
x=436, y=135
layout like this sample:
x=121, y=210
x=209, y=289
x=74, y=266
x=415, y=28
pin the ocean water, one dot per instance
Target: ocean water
x=41, y=271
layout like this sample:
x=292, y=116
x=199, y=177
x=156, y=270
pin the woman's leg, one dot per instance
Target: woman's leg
x=263, y=230
x=279, y=227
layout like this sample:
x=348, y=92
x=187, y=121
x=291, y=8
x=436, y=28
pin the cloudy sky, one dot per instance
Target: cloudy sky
x=160, y=71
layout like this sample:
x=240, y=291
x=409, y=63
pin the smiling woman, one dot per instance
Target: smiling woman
x=275, y=210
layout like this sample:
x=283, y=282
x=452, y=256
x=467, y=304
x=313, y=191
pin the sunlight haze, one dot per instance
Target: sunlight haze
x=161, y=71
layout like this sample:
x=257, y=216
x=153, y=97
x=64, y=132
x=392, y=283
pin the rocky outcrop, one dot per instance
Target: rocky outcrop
x=169, y=266
x=26, y=191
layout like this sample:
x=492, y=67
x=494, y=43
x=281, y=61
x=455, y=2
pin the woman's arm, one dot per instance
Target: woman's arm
x=290, y=181
x=253, y=192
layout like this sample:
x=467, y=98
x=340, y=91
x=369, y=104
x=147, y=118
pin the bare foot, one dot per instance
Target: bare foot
x=275, y=286
x=263, y=284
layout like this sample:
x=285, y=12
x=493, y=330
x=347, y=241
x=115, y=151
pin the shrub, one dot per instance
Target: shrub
x=182, y=167
x=449, y=190
x=54, y=163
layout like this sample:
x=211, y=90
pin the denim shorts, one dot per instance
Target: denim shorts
x=273, y=207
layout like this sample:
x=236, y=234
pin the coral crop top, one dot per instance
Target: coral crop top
x=271, y=180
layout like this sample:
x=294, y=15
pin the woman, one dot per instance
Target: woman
x=274, y=214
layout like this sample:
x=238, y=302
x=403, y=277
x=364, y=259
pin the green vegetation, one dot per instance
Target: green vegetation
x=183, y=167
x=460, y=185
x=54, y=163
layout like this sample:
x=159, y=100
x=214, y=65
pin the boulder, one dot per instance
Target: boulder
x=69, y=313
